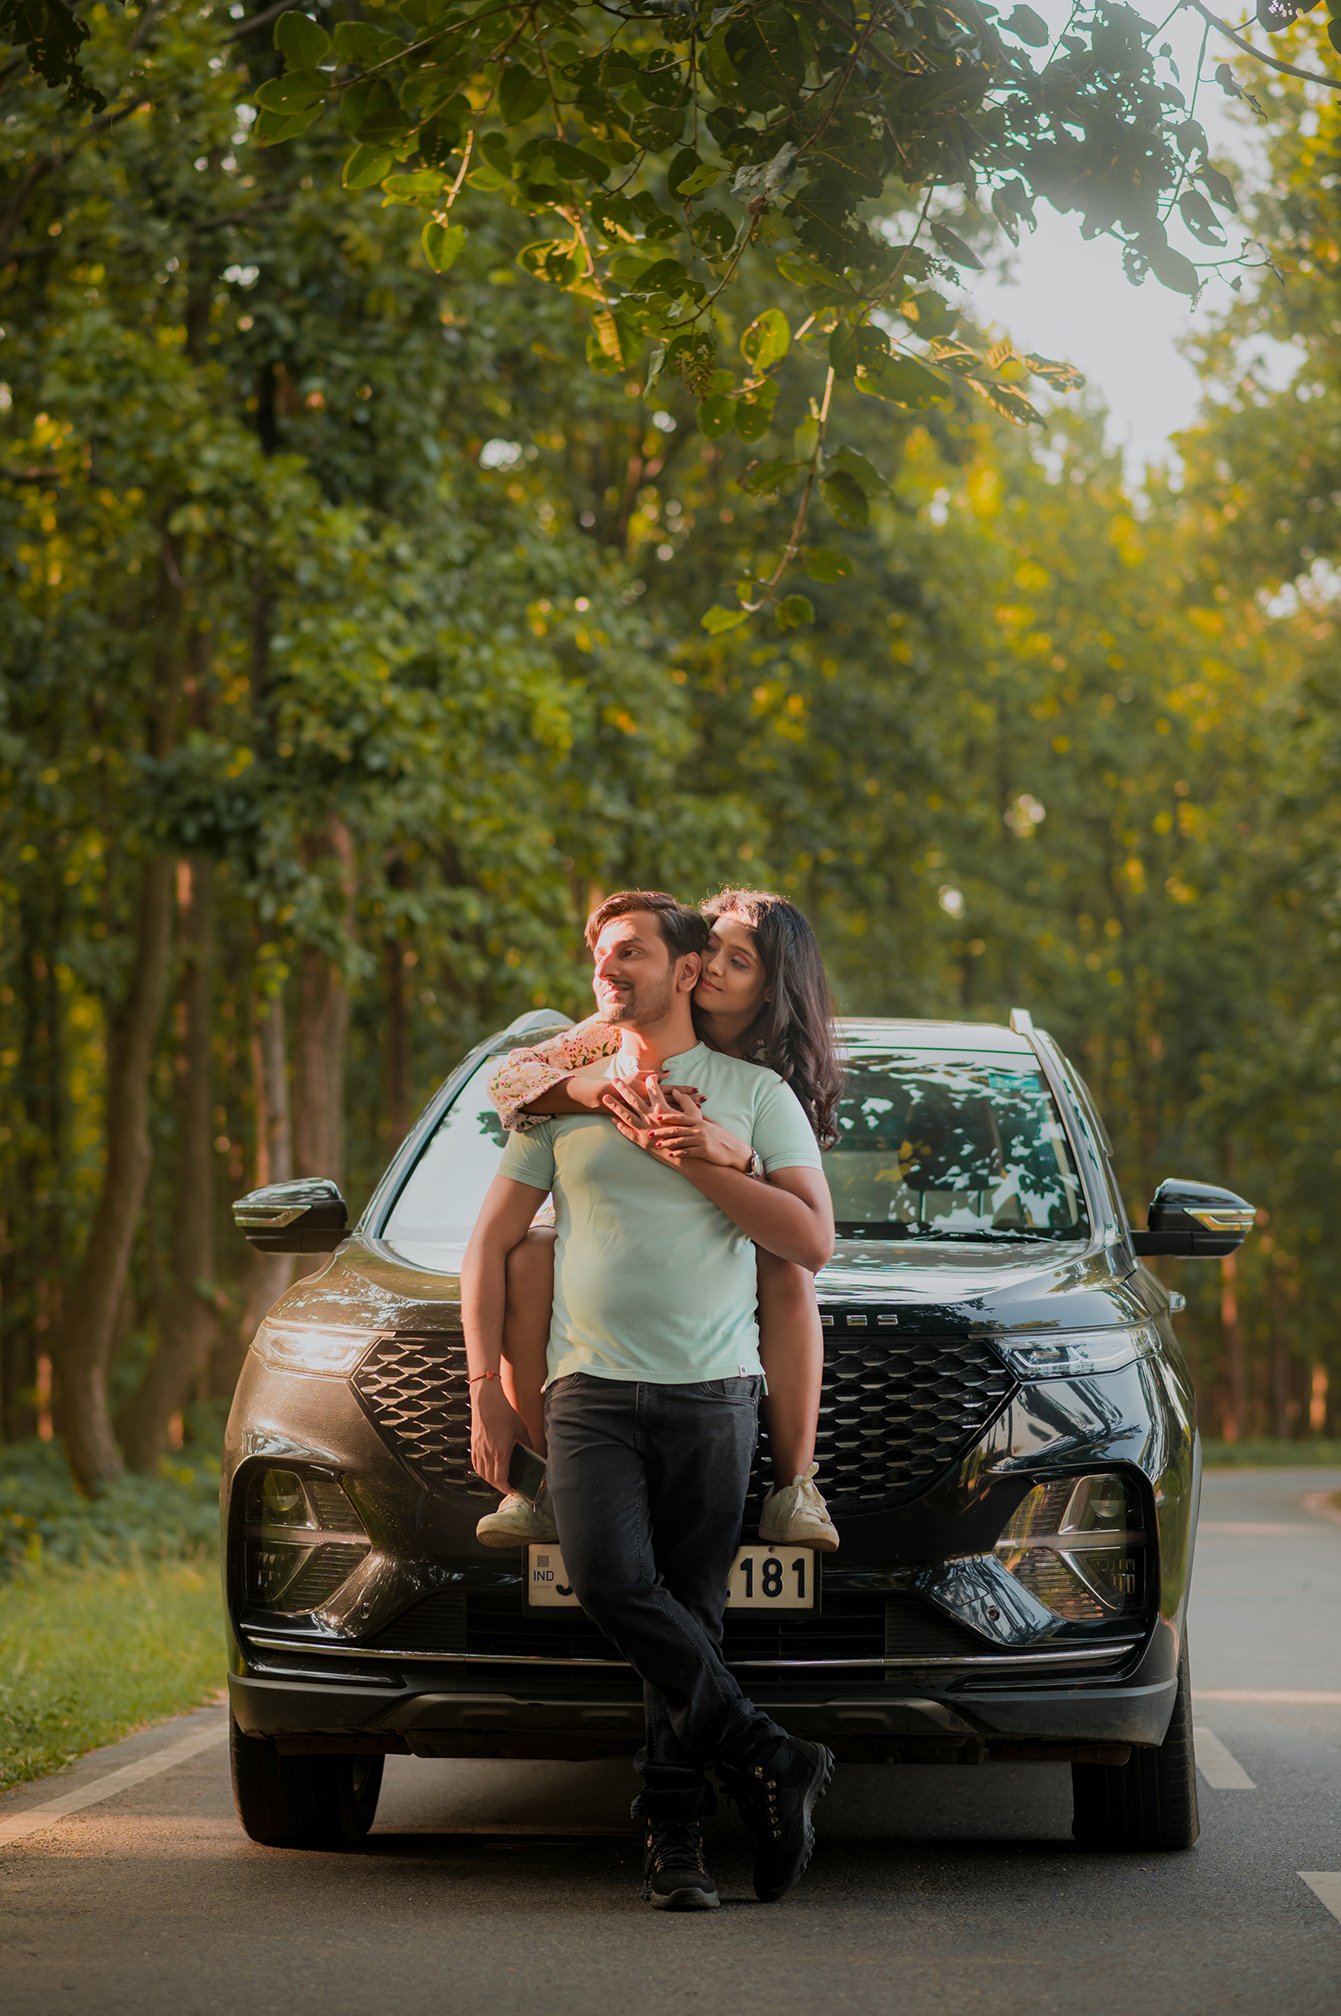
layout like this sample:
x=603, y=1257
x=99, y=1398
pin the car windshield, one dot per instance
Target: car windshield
x=929, y=1145
x=442, y=1198
x=936, y=1146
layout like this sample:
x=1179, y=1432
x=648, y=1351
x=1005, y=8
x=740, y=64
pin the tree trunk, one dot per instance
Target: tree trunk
x=323, y=1026
x=84, y=1346
x=1232, y=1421
x=187, y=1316
x=88, y=1333
x=268, y=1274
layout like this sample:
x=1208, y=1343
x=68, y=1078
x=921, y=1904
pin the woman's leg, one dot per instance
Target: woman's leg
x=526, y=1320
x=791, y=1345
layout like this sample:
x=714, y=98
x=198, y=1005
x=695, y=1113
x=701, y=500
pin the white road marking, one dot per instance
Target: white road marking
x=1326, y=1887
x=1252, y=1528
x=1270, y=1697
x=1218, y=1766
x=38, y=1818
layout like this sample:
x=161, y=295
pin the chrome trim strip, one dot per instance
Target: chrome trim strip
x=1109, y=1651
x=1229, y=1220
x=269, y=1217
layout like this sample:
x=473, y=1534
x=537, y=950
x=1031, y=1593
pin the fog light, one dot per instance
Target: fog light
x=278, y=1499
x=302, y=1539
x=1078, y=1545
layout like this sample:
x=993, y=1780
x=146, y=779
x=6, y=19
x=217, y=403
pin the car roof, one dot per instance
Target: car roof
x=870, y=1032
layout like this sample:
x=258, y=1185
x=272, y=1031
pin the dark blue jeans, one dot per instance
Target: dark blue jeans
x=648, y=1484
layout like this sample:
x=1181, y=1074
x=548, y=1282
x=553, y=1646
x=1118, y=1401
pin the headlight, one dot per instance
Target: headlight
x=1078, y=1545
x=310, y=1347
x=1073, y=1354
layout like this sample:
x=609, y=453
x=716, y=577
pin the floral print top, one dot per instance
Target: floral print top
x=524, y=1074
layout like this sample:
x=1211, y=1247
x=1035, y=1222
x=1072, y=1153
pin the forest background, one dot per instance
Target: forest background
x=354, y=645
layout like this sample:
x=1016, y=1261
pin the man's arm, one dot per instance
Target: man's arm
x=790, y=1214
x=495, y=1425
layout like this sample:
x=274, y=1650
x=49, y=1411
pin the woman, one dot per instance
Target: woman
x=762, y=995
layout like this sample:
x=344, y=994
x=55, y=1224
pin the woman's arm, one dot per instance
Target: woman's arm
x=528, y=1084
x=790, y=1214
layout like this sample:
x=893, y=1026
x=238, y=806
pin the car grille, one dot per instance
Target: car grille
x=496, y=1622
x=896, y=1412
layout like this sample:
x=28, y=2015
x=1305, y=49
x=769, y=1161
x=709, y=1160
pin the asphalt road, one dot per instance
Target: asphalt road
x=514, y=1888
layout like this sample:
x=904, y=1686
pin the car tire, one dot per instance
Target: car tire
x=1151, y=1800
x=302, y=1802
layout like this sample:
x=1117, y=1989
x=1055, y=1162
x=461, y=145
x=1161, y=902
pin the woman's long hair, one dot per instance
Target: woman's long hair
x=793, y=1032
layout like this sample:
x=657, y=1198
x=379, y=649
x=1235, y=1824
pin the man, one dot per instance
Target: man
x=654, y=1381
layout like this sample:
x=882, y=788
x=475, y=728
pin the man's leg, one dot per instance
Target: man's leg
x=601, y=1436
x=698, y=1470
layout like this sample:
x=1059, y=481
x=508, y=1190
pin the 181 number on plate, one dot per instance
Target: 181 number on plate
x=762, y=1578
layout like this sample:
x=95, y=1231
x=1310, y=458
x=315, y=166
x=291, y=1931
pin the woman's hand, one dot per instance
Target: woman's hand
x=668, y=1123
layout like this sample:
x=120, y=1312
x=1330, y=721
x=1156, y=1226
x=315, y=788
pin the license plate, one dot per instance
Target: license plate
x=762, y=1578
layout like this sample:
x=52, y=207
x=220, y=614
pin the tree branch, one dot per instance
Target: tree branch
x=1260, y=55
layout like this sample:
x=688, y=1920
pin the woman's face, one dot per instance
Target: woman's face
x=732, y=982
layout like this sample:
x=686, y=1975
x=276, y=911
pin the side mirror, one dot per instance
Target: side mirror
x=1195, y=1219
x=309, y=1216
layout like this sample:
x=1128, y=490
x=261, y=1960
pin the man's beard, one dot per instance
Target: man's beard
x=635, y=1005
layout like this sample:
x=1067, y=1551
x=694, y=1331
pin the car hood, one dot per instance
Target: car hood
x=378, y=1285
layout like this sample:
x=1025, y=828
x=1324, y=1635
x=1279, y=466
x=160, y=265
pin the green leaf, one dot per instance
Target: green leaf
x=794, y=610
x=1026, y=26
x=716, y=416
x=752, y=420
x=846, y=499
x=904, y=381
x=303, y=41
x=1172, y=270
x=294, y=92
x=765, y=479
x=1190, y=137
x=520, y=93
x=272, y=127
x=717, y=619
x=366, y=166
x=1218, y=187
x=360, y=42
x=442, y=244
x=421, y=185
x=843, y=349
x=613, y=345
x=1199, y=218
x=767, y=340
x=372, y=110
x=848, y=462
x=825, y=563
x=555, y=260
x=953, y=246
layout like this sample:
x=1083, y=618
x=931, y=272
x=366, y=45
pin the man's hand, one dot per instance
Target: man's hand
x=495, y=1429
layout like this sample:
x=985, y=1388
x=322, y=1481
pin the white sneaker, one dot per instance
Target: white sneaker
x=795, y=1515
x=516, y=1522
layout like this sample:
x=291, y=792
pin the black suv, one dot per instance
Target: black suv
x=1007, y=1442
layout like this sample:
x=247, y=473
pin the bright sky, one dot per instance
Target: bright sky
x=1071, y=299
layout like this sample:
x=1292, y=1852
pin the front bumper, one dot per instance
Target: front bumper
x=342, y=1694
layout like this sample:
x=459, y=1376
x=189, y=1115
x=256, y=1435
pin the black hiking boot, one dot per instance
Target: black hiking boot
x=675, y=1876
x=777, y=1794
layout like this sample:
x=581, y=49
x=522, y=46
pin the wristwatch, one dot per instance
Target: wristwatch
x=756, y=1167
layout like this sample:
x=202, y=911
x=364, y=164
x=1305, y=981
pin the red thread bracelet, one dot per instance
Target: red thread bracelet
x=476, y=1376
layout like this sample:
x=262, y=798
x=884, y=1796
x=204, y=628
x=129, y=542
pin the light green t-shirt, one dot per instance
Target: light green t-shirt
x=651, y=1280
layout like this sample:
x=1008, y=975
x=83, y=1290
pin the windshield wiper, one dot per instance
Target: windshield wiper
x=992, y=1234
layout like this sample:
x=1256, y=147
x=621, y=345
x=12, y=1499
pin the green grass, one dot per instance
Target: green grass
x=88, y=1654
x=110, y=1611
x=1263, y=1453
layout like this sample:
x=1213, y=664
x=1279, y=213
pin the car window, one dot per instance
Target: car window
x=445, y=1189
x=931, y=1145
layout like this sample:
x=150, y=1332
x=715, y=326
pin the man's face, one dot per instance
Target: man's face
x=634, y=975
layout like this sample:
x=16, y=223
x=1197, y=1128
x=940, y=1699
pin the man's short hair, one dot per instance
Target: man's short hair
x=683, y=929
